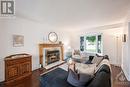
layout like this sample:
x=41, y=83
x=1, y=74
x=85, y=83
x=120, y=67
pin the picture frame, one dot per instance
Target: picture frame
x=18, y=40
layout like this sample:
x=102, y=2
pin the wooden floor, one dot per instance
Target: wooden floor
x=116, y=70
x=30, y=81
x=33, y=80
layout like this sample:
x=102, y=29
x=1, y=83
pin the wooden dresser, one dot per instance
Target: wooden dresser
x=17, y=66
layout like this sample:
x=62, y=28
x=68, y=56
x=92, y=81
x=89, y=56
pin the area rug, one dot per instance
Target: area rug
x=55, y=78
x=120, y=79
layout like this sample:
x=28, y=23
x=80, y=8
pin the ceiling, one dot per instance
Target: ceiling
x=73, y=14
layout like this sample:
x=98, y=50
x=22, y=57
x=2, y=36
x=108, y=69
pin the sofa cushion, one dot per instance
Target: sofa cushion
x=85, y=68
x=89, y=61
x=76, y=52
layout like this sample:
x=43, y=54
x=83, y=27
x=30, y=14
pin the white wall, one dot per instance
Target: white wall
x=129, y=51
x=109, y=41
x=126, y=49
x=33, y=32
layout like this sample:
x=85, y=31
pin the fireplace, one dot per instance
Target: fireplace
x=50, y=53
x=51, y=56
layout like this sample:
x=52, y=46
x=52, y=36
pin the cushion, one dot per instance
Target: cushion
x=76, y=52
x=97, y=60
x=84, y=55
x=76, y=56
x=88, y=69
x=83, y=75
x=90, y=60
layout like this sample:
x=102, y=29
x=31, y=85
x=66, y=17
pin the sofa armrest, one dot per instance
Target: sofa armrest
x=102, y=79
x=104, y=68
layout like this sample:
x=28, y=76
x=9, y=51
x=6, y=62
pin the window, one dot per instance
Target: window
x=91, y=43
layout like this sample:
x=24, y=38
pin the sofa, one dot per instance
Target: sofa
x=58, y=78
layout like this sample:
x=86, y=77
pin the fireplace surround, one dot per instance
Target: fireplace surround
x=54, y=52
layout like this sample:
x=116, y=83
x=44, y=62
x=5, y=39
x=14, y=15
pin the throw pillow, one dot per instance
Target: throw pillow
x=76, y=52
x=85, y=68
x=83, y=75
x=90, y=60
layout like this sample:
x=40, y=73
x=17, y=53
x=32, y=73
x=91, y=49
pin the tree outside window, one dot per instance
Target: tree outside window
x=92, y=43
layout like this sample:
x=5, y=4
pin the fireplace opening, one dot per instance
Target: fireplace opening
x=52, y=56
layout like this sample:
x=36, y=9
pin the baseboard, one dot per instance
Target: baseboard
x=126, y=74
x=117, y=65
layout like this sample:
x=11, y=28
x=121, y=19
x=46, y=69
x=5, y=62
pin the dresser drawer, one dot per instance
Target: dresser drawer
x=17, y=61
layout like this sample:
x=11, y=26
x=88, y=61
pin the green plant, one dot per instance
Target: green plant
x=91, y=38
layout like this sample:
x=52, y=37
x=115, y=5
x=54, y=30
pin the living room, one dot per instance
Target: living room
x=69, y=20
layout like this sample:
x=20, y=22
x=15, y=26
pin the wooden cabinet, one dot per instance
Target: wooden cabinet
x=17, y=66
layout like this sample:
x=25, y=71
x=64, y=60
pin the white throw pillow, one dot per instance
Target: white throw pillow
x=85, y=68
x=76, y=56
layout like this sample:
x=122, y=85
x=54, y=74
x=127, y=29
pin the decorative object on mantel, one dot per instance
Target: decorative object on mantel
x=60, y=42
x=45, y=39
x=52, y=37
x=18, y=40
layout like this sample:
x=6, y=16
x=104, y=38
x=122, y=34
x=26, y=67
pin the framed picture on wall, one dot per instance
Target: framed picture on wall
x=18, y=40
